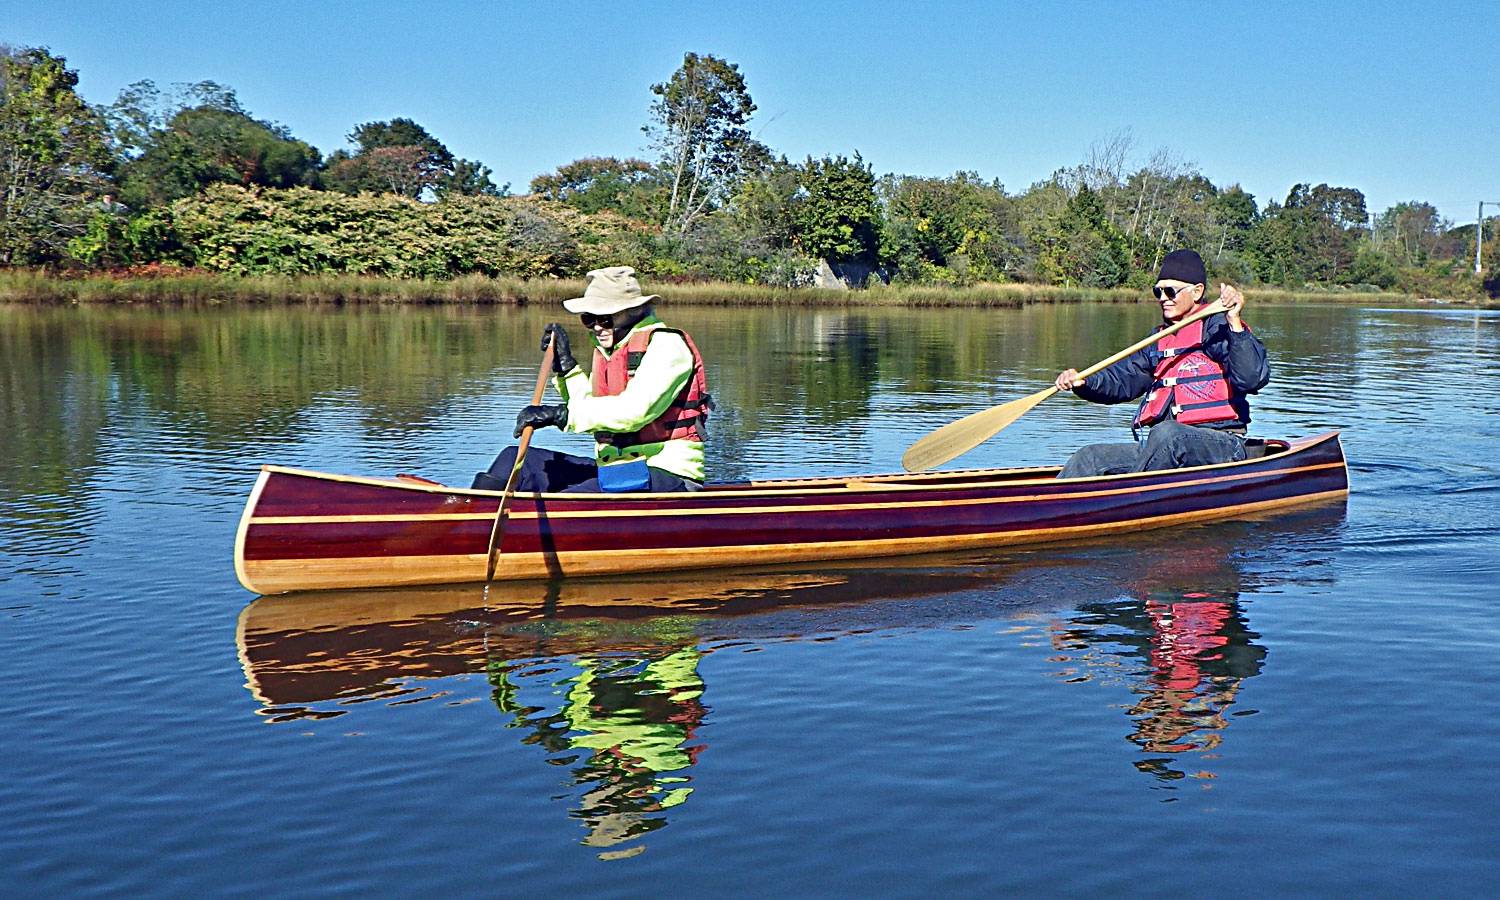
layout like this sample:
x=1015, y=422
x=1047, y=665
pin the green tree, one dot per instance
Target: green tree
x=765, y=205
x=1233, y=213
x=402, y=157
x=1313, y=237
x=837, y=215
x=630, y=187
x=1081, y=246
x=469, y=178
x=698, y=126
x=201, y=136
x=961, y=223
x=54, y=154
x=1412, y=231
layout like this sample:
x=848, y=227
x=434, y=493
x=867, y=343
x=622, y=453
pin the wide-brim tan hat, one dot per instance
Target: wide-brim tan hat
x=609, y=291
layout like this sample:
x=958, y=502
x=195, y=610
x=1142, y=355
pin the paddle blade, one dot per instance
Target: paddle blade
x=958, y=438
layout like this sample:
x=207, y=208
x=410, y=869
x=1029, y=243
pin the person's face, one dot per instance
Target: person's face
x=602, y=327
x=1177, y=298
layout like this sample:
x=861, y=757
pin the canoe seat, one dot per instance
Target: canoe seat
x=1255, y=448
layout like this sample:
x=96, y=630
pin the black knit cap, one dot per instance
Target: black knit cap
x=1183, y=265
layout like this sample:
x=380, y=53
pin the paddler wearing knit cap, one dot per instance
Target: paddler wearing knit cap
x=1192, y=385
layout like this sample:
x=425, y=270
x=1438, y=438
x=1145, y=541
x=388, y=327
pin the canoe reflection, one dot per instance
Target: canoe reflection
x=604, y=676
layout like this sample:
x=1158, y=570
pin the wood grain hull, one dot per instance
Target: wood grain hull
x=306, y=530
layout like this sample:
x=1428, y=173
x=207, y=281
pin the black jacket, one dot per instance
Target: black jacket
x=1243, y=356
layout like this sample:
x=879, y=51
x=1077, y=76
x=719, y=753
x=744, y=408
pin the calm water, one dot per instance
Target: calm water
x=1301, y=704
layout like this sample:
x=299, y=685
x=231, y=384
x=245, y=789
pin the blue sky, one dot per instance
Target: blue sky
x=1401, y=100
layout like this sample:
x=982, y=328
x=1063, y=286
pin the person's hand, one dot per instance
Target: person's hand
x=541, y=416
x=1068, y=379
x=562, y=354
x=1234, y=302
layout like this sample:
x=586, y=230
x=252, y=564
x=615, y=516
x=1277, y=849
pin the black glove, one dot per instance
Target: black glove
x=562, y=354
x=542, y=416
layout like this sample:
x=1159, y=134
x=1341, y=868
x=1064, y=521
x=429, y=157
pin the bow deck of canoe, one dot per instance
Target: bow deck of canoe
x=305, y=530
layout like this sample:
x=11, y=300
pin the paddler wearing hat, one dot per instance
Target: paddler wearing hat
x=645, y=400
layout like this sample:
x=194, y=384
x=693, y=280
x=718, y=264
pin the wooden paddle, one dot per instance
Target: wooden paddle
x=503, y=512
x=958, y=438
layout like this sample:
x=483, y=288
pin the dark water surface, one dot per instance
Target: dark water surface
x=1305, y=703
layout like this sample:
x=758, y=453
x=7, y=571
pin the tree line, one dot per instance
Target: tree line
x=188, y=177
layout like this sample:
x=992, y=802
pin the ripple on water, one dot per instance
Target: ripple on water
x=1317, y=690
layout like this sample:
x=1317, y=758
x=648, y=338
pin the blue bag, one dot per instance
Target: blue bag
x=620, y=477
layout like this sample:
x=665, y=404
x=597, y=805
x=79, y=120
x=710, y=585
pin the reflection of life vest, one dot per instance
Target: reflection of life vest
x=1186, y=636
x=1188, y=382
x=640, y=721
x=681, y=421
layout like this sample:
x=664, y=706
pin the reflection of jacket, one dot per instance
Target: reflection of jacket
x=667, y=368
x=649, y=736
x=1241, y=354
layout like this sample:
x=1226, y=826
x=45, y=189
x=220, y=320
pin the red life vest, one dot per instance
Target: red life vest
x=1188, y=383
x=684, y=420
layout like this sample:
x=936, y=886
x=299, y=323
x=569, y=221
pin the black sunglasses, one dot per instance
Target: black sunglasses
x=590, y=320
x=1169, y=293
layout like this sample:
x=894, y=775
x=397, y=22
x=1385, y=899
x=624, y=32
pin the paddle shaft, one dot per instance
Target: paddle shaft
x=1215, y=307
x=501, y=514
x=958, y=438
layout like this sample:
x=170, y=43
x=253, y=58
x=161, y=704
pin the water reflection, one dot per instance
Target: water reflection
x=604, y=677
x=626, y=728
x=1185, y=638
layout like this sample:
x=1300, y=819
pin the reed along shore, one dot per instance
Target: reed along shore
x=196, y=287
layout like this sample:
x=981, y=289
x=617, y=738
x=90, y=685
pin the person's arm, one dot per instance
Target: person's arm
x=661, y=376
x=1243, y=356
x=1126, y=380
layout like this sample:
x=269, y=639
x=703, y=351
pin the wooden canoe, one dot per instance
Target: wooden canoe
x=304, y=530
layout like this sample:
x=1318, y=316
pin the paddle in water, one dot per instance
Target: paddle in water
x=498, y=529
x=958, y=438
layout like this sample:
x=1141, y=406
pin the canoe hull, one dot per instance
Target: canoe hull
x=312, y=531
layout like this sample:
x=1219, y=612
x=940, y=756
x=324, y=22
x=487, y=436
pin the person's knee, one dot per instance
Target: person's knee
x=484, y=481
x=1097, y=459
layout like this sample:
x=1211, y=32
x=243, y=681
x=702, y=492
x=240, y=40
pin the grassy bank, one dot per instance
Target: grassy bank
x=191, y=287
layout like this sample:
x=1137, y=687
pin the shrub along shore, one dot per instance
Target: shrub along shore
x=190, y=287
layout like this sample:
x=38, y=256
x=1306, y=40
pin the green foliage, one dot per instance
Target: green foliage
x=837, y=216
x=179, y=150
x=958, y=228
x=301, y=231
x=630, y=187
x=1313, y=237
x=1080, y=246
x=208, y=185
x=402, y=157
x=1372, y=267
x=469, y=178
x=53, y=157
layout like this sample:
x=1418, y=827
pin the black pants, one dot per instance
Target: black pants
x=554, y=472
